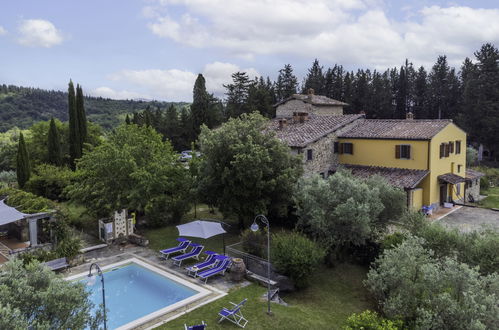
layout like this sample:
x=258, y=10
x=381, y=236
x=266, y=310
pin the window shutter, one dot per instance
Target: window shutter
x=336, y=147
x=458, y=147
x=442, y=150
x=341, y=148
x=451, y=147
x=447, y=149
x=397, y=151
x=351, y=148
x=408, y=152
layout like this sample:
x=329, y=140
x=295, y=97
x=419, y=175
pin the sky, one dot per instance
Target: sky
x=154, y=49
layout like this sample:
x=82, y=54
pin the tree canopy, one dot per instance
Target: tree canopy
x=246, y=170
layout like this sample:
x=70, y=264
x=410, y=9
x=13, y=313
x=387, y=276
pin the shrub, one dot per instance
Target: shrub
x=49, y=181
x=484, y=183
x=471, y=156
x=295, y=255
x=40, y=255
x=8, y=177
x=369, y=320
x=255, y=242
x=26, y=202
x=392, y=240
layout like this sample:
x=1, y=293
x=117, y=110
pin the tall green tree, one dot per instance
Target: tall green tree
x=200, y=104
x=237, y=94
x=74, y=129
x=261, y=97
x=34, y=297
x=23, y=168
x=81, y=117
x=286, y=84
x=246, y=171
x=314, y=79
x=54, y=145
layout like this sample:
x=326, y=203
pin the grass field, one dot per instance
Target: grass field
x=334, y=294
x=492, y=200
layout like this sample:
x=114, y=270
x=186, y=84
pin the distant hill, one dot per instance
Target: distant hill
x=23, y=106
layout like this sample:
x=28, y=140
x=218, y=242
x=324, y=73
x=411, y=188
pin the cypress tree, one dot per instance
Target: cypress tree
x=54, y=145
x=74, y=138
x=127, y=119
x=22, y=162
x=200, y=104
x=81, y=117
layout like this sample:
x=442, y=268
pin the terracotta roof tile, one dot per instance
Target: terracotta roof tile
x=398, y=177
x=472, y=174
x=451, y=178
x=301, y=134
x=417, y=129
x=318, y=100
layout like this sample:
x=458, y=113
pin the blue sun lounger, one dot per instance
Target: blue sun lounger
x=201, y=326
x=210, y=261
x=184, y=244
x=234, y=315
x=219, y=269
x=194, y=253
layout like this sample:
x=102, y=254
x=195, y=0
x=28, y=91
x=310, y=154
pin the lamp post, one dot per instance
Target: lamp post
x=91, y=281
x=254, y=227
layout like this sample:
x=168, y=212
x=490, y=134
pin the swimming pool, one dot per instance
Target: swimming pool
x=137, y=292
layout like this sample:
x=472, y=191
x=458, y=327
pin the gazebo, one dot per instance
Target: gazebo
x=9, y=214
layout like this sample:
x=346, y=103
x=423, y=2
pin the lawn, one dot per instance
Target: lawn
x=161, y=238
x=492, y=200
x=334, y=294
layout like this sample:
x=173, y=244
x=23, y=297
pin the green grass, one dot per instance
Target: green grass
x=492, y=200
x=333, y=295
x=161, y=238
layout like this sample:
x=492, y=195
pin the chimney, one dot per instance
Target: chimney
x=409, y=116
x=303, y=116
x=282, y=123
x=295, y=117
x=310, y=93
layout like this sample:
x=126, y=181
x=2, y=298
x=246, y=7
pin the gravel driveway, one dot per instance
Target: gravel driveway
x=468, y=219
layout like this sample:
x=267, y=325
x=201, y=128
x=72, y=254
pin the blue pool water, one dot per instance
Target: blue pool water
x=133, y=291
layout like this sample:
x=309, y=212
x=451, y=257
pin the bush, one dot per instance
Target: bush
x=255, y=242
x=369, y=320
x=295, y=255
x=26, y=202
x=392, y=240
x=49, y=181
x=471, y=156
x=484, y=183
x=8, y=177
x=40, y=255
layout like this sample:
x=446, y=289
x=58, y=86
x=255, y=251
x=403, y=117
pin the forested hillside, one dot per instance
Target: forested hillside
x=22, y=107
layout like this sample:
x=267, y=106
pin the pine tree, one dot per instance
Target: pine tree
x=439, y=96
x=401, y=95
x=237, y=94
x=54, y=145
x=314, y=79
x=261, y=97
x=23, y=168
x=81, y=117
x=287, y=83
x=127, y=119
x=420, y=107
x=200, y=104
x=74, y=136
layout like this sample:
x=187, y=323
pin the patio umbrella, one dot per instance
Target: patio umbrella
x=202, y=229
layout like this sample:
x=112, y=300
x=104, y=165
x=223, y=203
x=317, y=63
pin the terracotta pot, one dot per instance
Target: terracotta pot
x=238, y=269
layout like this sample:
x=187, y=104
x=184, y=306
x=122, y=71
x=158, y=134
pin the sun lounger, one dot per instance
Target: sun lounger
x=201, y=326
x=219, y=269
x=234, y=314
x=57, y=264
x=184, y=244
x=210, y=261
x=194, y=253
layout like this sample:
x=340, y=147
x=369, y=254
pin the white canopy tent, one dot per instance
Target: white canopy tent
x=9, y=214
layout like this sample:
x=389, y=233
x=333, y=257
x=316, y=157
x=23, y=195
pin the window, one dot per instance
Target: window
x=458, y=189
x=346, y=148
x=403, y=151
x=442, y=150
x=309, y=154
x=451, y=147
x=459, y=168
x=458, y=147
x=336, y=147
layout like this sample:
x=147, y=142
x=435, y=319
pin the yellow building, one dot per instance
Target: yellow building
x=427, y=158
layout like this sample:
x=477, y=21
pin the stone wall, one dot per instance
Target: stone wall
x=473, y=189
x=286, y=109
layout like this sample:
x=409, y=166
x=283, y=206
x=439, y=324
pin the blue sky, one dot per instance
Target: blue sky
x=155, y=48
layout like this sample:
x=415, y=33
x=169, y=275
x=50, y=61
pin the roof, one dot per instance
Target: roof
x=9, y=214
x=472, y=174
x=451, y=178
x=401, y=129
x=318, y=100
x=398, y=177
x=301, y=134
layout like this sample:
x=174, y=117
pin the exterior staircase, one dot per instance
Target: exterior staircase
x=4, y=250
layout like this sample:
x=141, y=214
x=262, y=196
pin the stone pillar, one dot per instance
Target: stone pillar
x=33, y=232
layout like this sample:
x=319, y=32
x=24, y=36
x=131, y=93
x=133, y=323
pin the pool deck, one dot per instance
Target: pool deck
x=218, y=285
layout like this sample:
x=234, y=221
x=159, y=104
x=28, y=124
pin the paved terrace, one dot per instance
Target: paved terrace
x=219, y=285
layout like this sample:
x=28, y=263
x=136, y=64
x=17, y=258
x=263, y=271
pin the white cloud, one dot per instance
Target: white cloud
x=107, y=92
x=2, y=30
x=39, y=33
x=172, y=85
x=346, y=31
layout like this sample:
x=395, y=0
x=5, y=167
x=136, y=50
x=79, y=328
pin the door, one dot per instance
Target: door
x=443, y=193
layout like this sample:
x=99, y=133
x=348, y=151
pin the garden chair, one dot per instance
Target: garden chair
x=210, y=261
x=194, y=253
x=219, y=269
x=183, y=245
x=201, y=326
x=234, y=315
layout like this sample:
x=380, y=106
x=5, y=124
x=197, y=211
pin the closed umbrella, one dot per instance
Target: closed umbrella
x=202, y=229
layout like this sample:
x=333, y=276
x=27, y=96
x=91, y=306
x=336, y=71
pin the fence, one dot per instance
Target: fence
x=253, y=263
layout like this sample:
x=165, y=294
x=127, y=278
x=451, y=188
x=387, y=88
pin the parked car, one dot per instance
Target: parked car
x=186, y=155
